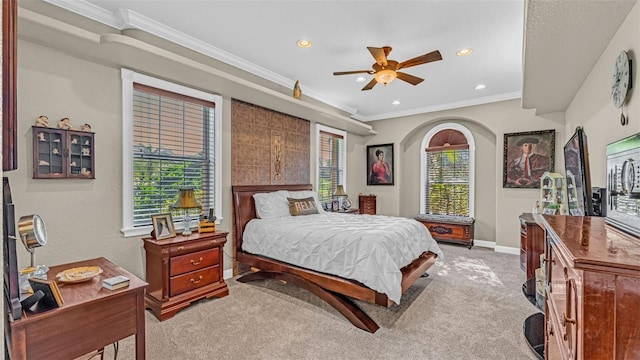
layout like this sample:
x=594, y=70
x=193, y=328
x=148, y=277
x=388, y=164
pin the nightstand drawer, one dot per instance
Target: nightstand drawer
x=190, y=247
x=193, y=280
x=194, y=261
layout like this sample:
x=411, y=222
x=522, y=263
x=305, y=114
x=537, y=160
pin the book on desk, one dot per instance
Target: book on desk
x=115, y=282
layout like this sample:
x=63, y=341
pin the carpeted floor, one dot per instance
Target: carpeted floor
x=470, y=307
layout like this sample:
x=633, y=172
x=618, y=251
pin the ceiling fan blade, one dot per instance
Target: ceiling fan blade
x=353, y=72
x=380, y=54
x=413, y=80
x=422, y=59
x=370, y=85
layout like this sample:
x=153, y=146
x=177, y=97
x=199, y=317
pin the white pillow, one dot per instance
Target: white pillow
x=305, y=194
x=272, y=205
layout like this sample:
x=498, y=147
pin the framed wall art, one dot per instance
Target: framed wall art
x=163, y=226
x=380, y=164
x=527, y=155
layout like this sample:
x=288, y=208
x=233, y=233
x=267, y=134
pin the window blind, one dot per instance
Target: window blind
x=447, y=185
x=173, y=148
x=331, y=164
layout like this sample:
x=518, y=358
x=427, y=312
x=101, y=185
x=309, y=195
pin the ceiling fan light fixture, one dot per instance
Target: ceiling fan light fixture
x=385, y=76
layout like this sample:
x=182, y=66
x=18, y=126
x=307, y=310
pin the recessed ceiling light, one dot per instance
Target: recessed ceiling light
x=304, y=43
x=480, y=86
x=361, y=79
x=464, y=52
x=395, y=102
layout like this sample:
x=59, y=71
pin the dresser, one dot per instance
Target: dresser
x=183, y=269
x=592, y=290
x=531, y=247
x=367, y=204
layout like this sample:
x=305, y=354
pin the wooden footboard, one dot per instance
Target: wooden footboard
x=332, y=289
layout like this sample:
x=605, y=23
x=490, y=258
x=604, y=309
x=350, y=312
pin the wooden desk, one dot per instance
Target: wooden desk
x=90, y=318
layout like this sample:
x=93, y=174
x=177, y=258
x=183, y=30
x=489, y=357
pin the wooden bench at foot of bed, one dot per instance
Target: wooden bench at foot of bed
x=334, y=290
x=452, y=229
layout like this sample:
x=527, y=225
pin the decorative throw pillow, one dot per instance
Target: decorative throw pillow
x=306, y=206
x=301, y=194
x=272, y=205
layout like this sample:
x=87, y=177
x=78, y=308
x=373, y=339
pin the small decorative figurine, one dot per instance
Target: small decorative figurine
x=74, y=141
x=55, y=151
x=41, y=137
x=73, y=163
x=85, y=127
x=84, y=171
x=65, y=123
x=86, y=152
x=297, y=92
x=42, y=121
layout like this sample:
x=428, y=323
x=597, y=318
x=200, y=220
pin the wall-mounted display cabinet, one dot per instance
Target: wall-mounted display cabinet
x=63, y=154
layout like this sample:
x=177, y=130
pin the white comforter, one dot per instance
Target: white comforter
x=368, y=248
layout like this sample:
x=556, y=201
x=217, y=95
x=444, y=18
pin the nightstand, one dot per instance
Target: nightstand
x=367, y=204
x=183, y=269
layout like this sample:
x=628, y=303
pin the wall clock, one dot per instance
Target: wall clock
x=621, y=79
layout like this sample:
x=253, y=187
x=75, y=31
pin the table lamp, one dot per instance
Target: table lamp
x=341, y=195
x=33, y=234
x=186, y=200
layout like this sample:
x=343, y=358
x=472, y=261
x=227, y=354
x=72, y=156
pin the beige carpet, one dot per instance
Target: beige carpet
x=470, y=307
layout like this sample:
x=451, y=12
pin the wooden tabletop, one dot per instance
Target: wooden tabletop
x=90, y=290
x=591, y=241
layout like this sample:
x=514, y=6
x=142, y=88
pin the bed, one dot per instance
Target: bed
x=337, y=291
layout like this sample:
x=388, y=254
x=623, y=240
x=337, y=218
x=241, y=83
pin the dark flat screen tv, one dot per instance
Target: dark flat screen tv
x=576, y=163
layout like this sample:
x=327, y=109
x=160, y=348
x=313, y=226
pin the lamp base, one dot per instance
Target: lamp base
x=186, y=224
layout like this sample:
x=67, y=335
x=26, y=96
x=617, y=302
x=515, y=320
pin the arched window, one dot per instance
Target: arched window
x=447, y=171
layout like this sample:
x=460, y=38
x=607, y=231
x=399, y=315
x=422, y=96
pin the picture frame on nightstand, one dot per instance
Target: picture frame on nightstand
x=162, y=226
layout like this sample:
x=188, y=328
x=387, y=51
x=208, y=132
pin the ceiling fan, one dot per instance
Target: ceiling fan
x=385, y=70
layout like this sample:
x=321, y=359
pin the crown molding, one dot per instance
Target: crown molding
x=440, y=107
x=128, y=19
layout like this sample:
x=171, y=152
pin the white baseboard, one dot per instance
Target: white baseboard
x=228, y=274
x=484, y=243
x=496, y=248
x=508, y=250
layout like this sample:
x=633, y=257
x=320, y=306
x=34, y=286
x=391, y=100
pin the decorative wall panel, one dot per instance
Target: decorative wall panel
x=268, y=147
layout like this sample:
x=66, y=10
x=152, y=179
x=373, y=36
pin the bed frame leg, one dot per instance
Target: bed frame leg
x=342, y=303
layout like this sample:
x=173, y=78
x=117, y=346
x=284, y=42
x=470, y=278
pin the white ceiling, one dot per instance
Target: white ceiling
x=260, y=37
x=563, y=41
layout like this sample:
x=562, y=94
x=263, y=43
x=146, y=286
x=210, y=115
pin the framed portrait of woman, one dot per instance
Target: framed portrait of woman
x=380, y=164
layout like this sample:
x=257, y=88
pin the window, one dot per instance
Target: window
x=447, y=171
x=331, y=145
x=171, y=141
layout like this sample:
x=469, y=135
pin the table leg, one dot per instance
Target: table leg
x=140, y=327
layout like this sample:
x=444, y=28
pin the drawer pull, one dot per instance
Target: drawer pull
x=567, y=320
x=180, y=247
x=196, y=281
x=194, y=263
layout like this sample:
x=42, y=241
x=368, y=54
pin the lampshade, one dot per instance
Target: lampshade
x=186, y=200
x=340, y=192
x=385, y=76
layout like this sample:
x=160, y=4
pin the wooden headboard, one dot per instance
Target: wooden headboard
x=244, y=207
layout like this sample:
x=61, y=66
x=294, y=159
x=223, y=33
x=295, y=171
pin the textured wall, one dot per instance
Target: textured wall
x=268, y=147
